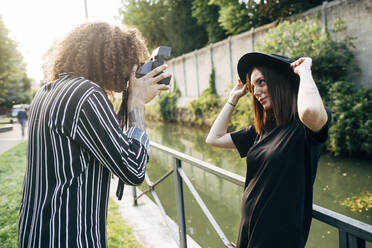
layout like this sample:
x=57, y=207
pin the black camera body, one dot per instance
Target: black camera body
x=157, y=59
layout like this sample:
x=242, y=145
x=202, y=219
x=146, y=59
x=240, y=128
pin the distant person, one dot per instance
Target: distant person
x=282, y=148
x=22, y=119
x=75, y=141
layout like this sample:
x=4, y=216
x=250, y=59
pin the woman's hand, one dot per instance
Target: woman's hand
x=143, y=90
x=238, y=91
x=302, y=65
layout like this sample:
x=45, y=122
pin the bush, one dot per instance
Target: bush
x=168, y=104
x=212, y=81
x=351, y=129
x=165, y=106
x=333, y=60
x=205, y=109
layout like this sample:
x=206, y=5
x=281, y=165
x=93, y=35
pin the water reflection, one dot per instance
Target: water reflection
x=337, y=180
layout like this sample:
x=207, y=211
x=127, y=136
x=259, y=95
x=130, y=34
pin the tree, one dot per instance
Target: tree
x=237, y=16
x=233, y=16
x=186, y=25
x=14, y=83
x=149, y=17
x=207, y=14
x=185, y=33
x=167, y=23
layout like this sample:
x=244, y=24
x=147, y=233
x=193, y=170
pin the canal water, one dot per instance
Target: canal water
x=341, y=185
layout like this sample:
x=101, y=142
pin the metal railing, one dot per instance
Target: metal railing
x=352, y=233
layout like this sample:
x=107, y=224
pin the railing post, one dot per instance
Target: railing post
x=348, y=240
x=134, y=191
x=343, y=243
x=355, y=242
x=180, y=204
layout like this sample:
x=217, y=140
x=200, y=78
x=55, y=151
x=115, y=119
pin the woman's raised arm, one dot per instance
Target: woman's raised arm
x=217, y=135
x=310, y=106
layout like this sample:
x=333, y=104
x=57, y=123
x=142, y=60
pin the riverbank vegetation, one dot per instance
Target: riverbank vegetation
x=12, y=170
x=165, y=106
x=205, y=109
x=334, y=68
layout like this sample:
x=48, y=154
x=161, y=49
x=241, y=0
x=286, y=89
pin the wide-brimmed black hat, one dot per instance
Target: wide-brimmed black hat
x=277, y=62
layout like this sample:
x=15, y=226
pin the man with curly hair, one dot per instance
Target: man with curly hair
x=75, y=141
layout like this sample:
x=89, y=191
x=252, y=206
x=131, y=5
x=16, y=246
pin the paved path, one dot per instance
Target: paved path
x=11, y=138
x=146, y=220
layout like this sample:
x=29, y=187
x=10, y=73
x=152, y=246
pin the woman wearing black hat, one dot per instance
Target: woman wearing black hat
x=282, y=148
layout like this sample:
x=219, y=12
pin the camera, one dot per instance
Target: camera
x=157, y=59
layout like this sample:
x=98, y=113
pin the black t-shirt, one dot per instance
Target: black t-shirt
x=281, y=168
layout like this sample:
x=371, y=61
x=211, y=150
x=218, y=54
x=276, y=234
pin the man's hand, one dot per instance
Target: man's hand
x=143, y=90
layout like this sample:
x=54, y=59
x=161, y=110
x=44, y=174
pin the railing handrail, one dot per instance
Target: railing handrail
x=342, y=222
x=225, y=174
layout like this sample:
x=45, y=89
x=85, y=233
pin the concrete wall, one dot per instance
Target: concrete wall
x=192, y=70
x=358, y=17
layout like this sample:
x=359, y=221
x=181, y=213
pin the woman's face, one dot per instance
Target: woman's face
x=260, y=90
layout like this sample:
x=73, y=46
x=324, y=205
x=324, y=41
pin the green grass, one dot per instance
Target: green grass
x=5, y=121
x=12, y=169
x=119, y=234
x=8, y=119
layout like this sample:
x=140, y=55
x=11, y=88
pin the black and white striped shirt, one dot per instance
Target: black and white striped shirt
x=75, y=143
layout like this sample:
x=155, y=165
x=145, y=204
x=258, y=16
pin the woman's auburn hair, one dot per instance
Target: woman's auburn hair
x=283, y=90
x=100, y=52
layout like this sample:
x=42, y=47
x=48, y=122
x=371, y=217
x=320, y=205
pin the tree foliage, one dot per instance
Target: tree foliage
x=237, y=16
x=351, y=129
x=234, y=16
x=207, y=14
x=14, y=83
x=186, y=25
x=149, y=17
x=167, y=23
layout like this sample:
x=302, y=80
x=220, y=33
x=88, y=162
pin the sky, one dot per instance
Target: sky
x=36, y=24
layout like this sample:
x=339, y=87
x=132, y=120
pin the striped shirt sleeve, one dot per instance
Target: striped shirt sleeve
x=96, y=128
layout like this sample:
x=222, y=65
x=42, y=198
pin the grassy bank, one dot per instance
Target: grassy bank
x=119, y=234
x=12, y=169
x=8, y=119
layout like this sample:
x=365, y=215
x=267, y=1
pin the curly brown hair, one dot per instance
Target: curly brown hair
x=100, y=52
